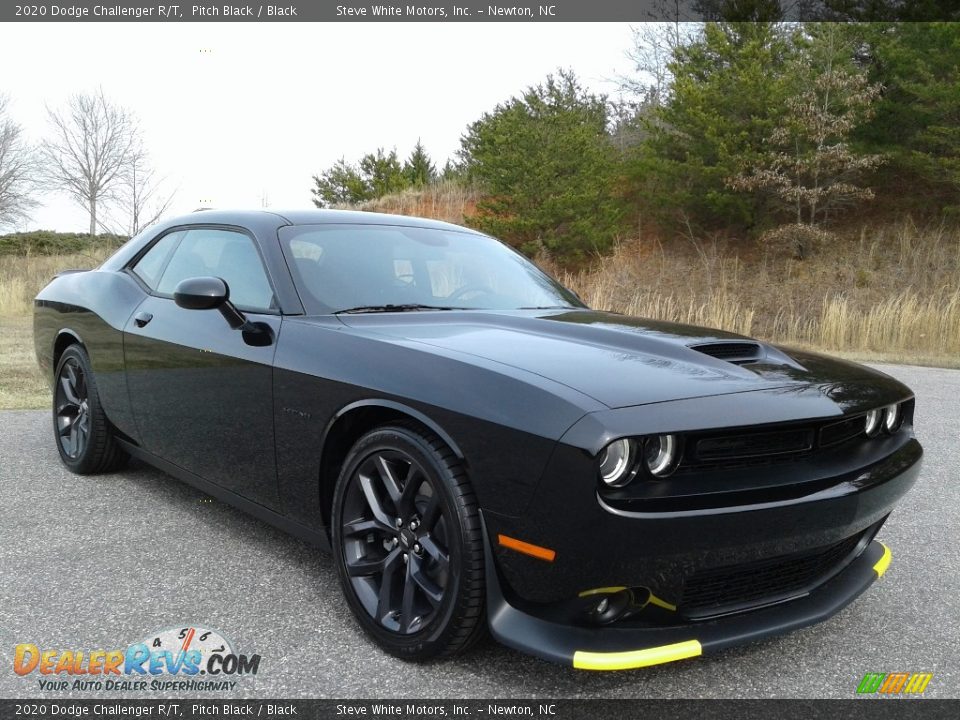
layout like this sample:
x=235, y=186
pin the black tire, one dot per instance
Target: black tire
x=84, y=436
x=380, y=565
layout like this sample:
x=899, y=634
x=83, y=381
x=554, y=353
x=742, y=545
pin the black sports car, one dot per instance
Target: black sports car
x=476, y=446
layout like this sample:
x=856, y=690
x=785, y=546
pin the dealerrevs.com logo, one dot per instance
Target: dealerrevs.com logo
x=186, y=658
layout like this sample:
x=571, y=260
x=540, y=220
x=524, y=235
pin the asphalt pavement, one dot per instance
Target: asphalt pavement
x=100, y=562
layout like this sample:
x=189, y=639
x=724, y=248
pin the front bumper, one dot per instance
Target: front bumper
x=620, y=648
x=694, y=582
x=597, y=546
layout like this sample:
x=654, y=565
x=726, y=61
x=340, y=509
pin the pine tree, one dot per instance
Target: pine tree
x=341, y=184
x=547, y=165
x=726, y=96
x=382, y=173
x=917, y=119
x=377, y=174
x=419, y=170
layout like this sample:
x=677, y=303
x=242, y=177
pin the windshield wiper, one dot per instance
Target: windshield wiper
x=547, y=307
x=409, y=307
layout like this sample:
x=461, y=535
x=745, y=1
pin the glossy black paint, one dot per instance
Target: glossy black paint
x=202, y=396
x=201, y=293
x=91, y=308
x=263, y=416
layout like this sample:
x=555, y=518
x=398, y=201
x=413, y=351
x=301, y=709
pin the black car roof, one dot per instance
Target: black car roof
x=317, y=217
x=267, y=221
x=350, y=217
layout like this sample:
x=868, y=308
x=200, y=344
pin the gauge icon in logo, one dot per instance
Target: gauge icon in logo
x=181, y=640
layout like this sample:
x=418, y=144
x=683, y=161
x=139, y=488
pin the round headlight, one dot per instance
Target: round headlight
x=616, y=462
x=660, y=454
x=872, y=422
x=892, y=418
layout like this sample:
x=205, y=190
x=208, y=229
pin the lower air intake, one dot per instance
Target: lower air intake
x=733, y=588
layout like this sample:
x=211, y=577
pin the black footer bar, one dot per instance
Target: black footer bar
x=226, y=709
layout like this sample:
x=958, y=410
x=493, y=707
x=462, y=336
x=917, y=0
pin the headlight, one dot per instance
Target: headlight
x=660, y=454
x=616, y=462
x=872, y=423
x=892, y=418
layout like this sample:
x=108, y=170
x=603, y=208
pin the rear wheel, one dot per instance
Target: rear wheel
x=84, y=436
x=408, y=544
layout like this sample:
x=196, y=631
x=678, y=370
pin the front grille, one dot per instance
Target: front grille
x=757, y=446
x=723, y=590
x=750, y=445
x=735, y=352
x=839, y=432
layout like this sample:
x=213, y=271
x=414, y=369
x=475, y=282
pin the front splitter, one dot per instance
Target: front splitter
x=624, y=648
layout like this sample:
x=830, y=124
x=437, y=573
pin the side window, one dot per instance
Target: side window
x=229, y=255
x=151, y=265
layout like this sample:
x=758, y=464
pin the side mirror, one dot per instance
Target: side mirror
x=213, y=293
x=201, y=293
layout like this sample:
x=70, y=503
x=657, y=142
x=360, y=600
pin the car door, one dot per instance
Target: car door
x=202, y=396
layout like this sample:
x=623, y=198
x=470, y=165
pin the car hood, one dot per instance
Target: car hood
x=616, y=359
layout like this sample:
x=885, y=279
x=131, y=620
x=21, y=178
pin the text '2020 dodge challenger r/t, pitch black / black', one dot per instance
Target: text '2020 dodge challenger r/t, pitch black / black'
x=477, y=447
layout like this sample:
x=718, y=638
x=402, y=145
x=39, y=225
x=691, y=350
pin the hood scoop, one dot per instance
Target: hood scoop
x=737, y=353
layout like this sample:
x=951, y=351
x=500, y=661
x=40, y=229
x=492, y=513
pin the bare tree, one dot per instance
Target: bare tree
x=139, y=199
x=90, y=150
x=654, y=45
x=18, y=169
x=648, y=87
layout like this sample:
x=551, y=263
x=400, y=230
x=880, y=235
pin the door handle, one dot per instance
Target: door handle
x=142, y=318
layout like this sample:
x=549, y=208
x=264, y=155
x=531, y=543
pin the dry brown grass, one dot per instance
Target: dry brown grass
x=887, y=293
x=21, y=385
x=447, y=201
x=21, y=278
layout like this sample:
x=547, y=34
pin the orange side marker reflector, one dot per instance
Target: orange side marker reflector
x=541, y=553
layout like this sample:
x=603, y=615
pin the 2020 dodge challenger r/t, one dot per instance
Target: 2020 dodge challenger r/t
x=476, y=447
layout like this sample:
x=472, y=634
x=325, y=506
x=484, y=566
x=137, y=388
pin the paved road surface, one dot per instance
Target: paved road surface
x=100, y=562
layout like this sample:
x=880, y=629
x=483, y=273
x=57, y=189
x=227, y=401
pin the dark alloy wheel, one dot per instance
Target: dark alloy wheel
x=395, y=541
x=72, y=408
x=85, y=437
x=408, y=543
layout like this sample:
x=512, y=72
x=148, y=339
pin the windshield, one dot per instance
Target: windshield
x=353, y=267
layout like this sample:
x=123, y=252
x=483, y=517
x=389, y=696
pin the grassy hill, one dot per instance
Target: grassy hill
x=886, y=289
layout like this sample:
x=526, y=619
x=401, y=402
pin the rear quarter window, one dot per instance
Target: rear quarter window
x=150, y=267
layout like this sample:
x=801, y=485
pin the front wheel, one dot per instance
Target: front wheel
x=408, y=544
x=84, y=435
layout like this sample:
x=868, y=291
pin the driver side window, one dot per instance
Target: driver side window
x=226, y=254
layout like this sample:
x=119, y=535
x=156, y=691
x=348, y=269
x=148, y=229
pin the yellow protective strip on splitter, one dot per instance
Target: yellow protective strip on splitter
x=636, y=658
x=884, y=562
x=654, y=600
x=601, y=591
